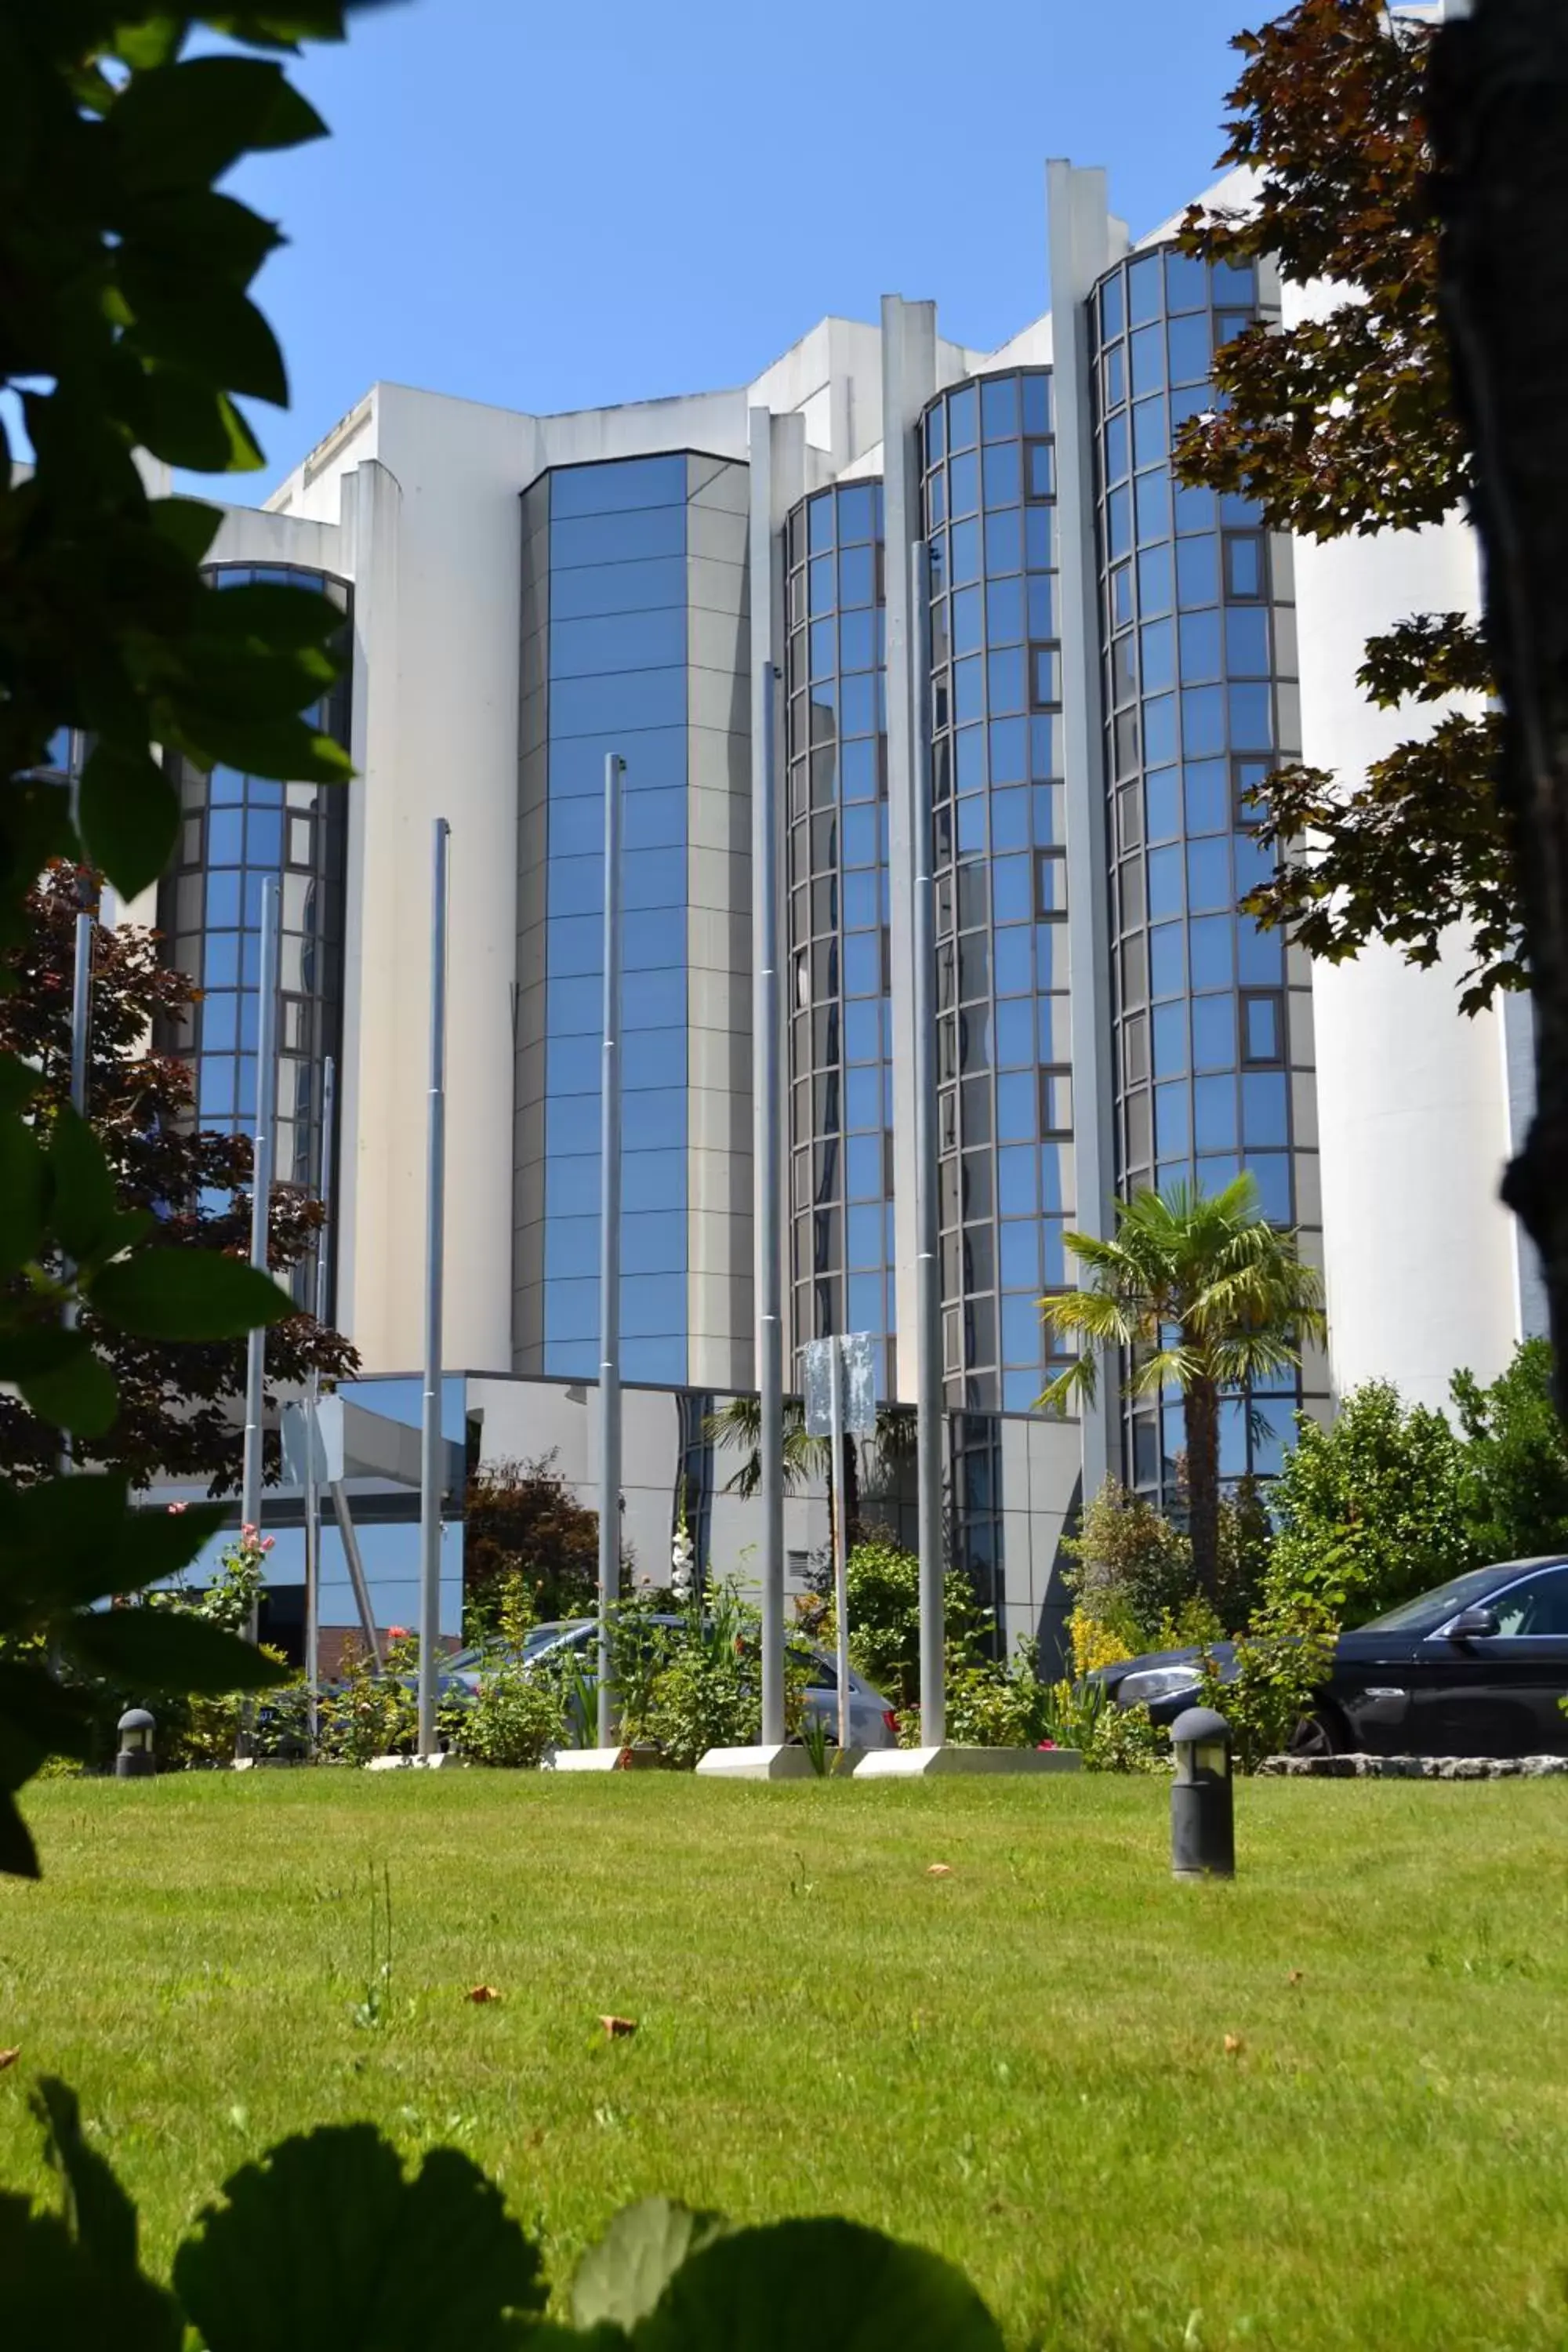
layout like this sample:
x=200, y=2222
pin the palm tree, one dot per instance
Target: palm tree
x=1206, y=1294
x=739, y=1424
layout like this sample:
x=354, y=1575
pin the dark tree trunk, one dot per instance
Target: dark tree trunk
x=1202, y=1415
x=852, y=1529
x=1498, y=109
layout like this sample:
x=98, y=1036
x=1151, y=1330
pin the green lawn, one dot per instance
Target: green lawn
x=1022, y=2064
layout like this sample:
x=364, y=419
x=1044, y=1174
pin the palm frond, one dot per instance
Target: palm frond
x=1079, y=1379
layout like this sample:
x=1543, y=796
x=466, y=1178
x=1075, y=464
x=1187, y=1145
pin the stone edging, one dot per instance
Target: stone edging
x=1415, y=1767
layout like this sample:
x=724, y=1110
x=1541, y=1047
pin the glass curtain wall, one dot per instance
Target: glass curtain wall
x=615, y=657
x=234, y=830
x=837, y=988
x=1201, y=701
x=1005, y=1182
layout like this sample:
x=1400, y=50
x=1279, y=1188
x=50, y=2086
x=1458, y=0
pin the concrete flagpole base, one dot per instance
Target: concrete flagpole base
x=787, y=1761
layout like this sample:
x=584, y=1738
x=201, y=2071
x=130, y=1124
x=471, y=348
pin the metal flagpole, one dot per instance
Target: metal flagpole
x=312, y=1398
x=261, y=1198
x=766, y=1137
x=928, y=1268
x=840, y=1563
x=430, y=1451
x=610, y=1253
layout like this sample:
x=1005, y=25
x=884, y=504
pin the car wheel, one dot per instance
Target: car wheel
x=1318, y=1734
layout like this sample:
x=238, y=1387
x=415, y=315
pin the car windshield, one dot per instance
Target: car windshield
x=1444, y=1601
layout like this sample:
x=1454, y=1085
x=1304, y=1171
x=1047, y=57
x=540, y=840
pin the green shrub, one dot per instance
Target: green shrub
x=1514, y=1468
x=1282, y=1661
x=369, y=1714
x=1370, y=1511
x=1131, y=1569
x=1108, y=1737
x=883, y=1587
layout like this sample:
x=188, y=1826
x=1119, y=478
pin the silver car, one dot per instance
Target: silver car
x=872, y=1720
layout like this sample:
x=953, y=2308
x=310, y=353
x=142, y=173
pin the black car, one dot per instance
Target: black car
x=1474, y=1668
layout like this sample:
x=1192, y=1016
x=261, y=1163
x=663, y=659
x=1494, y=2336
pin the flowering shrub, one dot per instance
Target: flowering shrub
x=369, y=1713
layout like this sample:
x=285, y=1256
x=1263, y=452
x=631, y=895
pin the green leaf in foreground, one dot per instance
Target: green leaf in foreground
x=172, y=1294
x=325, y=2247
x=621, y=2279
x=164, y=1650
x=830, y=2285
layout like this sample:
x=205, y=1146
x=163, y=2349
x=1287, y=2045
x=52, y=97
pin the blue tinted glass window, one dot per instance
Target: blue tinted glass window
x=656, y=1005
x=1203, y=721
x=573, y=1008
x=1155, y=656
x=224, y=785
x=576, y=886
x=264, y=837
x=1262, y=1039
x=969, y=764
x=226, y=838
x=222, y=901
x=1186, y=282
x=1039, y=537
x=1154, y=581
x=1246, y=641
x=571, y=1248
x=857, y=575
x=965, y=552
x=572, y=1309
x=1148, y=361
x=1014, y=1034
x=1118, y=522
x=1260, y=962
x=1020, y=1332
x=1207, y=796
x=856, y=513
x=652, y=1305
x=1004, y=610
x=1170, y=1040
x=1149, y=439
x=1004, y=475
x=863, y=1163
x=961, y=418
x=1017, y=1180
x=616, y=539
x=621, y=699
x=862, y=911
x=1112, y=310
x=863, y=963
x=657, y=877
x=968, y=627
x=1116, y=458
x=1016, y=1106
x=860, y=837
x=1212, y=954
x=1189, y=345
x=1010, y=820
x=1004, y=548
x=568, y=1181
x=568, y=1070
x=1200, y=646
x=999, y=407
x=1214, y=1033
x=963, y=484
x=1009, y=751
x=1037, y=392
x=572, y=1123
x=1194, y=510
x=1208, y=876
x=1244, y=564
x=613, y=488
x=858, y=648
x=577, y=826
x=1197, y=571
x=652, y=820
x=1021, y=1255
x=652, y=1241
x=1251, y=717
x=858, y=705
x=651, y=938
x=1005, y=680
x=1214, y=1114
x=617, y=588
x=820, y=585
x=1153, y=493
x=1159, y=730
x=1143, y=289
x=1173, y=1120
x=860, y=769
x=1012, y=890
x=1163, y=804
x=1164, y=882
x=1265, y=1115
x=1013, y=963
x=655, y=757
x=863, y=1097
x=1167, y=959
x=616, y=641
x=968, y=689
x=819, y=522
x=1272, y=1172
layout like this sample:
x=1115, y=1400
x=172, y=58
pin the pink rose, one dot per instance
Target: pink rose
x=176, y=1508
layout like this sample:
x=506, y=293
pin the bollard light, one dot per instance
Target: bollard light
x=1203, y=1826
x=135, y=1759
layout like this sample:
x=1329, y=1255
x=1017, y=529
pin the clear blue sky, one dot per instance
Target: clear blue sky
x=562, y=206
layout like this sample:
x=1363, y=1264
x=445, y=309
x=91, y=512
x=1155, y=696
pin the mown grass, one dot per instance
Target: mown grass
x=1023, y=2065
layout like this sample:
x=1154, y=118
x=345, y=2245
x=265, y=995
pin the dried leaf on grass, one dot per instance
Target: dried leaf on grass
x=617, y=2028
x=9, y=2057
x=483, y=1992
x=1234, y=2045
x=939, y=1869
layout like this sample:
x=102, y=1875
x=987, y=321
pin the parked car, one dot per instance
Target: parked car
x=872, y=1720
x=1475, y=1667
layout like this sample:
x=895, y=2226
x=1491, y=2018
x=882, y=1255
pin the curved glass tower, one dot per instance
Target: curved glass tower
x=235, y=830
x=1212, y=1031
x=838, y=984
